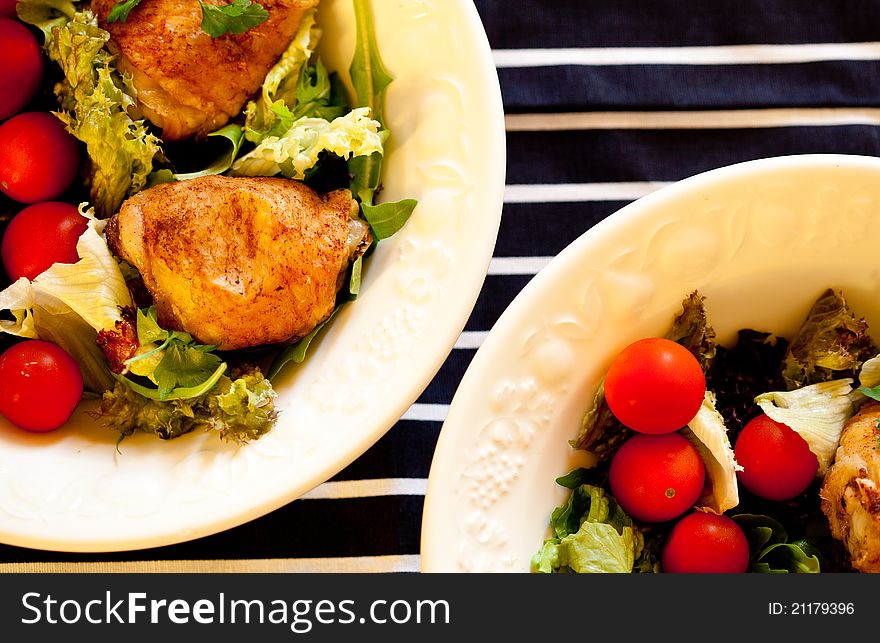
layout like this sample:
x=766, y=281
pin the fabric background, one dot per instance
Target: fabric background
x=606, y=101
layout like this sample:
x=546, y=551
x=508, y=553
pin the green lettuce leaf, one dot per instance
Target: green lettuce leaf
x=296, y=353
x=831, y=344
x=172, y=360
x=354, y=134
x=817, y=412
x=386, y=219
x=280, y=84
x=69, y=303
x=770, y=551
x=368, y=73
x=371, y=80
x=235, y=135
x=240, y=410
x=320, y=94
x=98, y=106
x=45, y=14
x=546, y=560
x=691, y=329
x=598, y=548
x=592, y=533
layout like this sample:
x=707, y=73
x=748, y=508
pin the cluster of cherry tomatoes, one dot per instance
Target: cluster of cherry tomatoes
x=655, y=387
x=40, y=383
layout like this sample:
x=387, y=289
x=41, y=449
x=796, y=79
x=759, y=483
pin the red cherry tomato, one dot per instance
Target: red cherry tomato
x=38, y=158
x=705, y=543
x=7, y=8
x=40, y=385
x=39, y=236
x=777, y=463
x=21, y=65
x=655, y=386
x=657, y=477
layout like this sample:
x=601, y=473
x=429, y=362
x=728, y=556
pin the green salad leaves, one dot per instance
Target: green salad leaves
x=300, y=125
x=239, y=410
x=807, y=385
x=770, y=550
x=832, y=343
x=69, y=304
x=97, y=104
x=591, y=533
x=601, y=433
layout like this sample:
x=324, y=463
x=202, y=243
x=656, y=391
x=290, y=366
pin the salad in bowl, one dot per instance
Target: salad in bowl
x=193, y=205
x=759, y=275
x=760, y=457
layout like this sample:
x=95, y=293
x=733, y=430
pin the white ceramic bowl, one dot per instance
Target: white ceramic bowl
x=71, y=490
x=761, y=240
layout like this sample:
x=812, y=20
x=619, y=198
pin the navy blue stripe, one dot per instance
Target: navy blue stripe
x=516, y=24
x=498, y=291
x=646, y=87
x=404, y=452
x=667, y=155
x=376, y=526
x=445, y=384
x=546, y=228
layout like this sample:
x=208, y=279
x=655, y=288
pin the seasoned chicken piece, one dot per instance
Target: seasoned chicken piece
x=851, y=490
x=240, y=262
x=188, y=82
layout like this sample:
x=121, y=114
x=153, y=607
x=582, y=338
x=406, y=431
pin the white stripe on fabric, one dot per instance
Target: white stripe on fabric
x=704, y=55
x=719, y=119
x=471, y=339
x=364, y=564
x=504, y=266
x=574, y=192
x=339, y=489
x=426, y=412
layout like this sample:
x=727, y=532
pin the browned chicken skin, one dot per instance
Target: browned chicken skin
x=240, y=262
x=188, y=82
x=851, y=490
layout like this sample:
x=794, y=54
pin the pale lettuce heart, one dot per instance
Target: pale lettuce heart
x=817, y=412
x=355, y=134
x=708, y=434
x=69, y=304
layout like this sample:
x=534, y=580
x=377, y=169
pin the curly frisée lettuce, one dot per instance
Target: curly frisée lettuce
x=169, y=385
x=70, y=303
x=97, y=104
x=297, y=150
x=240, y=410
x=300, y=125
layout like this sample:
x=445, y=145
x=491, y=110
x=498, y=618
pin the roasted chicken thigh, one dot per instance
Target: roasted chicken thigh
x=851, y=490
x=240, y=262
x=188, y=82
